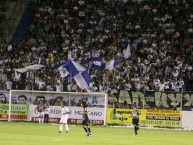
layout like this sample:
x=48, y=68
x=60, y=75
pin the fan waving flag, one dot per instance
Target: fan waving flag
x=78, y=72
x=83, y=79
x=95, y=60
x=63, y=72
x=127, y=52
x=96, y=63
x=109, y=65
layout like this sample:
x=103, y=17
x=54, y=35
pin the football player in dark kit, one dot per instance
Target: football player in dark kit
x=85, y=119
x=135, y=119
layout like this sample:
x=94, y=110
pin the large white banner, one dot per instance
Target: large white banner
x=54, y=98
x=96, y=115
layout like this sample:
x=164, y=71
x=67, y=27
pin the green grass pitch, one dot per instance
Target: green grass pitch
x=15, y=133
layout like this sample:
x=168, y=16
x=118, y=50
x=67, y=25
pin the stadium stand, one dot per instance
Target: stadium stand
x=159, y=34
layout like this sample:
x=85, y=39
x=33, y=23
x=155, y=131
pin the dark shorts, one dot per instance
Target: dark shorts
x=135, y=121
x=85, y=122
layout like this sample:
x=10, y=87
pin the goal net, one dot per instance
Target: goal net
x=22, y=105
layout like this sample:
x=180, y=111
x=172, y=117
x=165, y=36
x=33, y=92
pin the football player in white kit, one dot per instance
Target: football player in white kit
x=64, y=118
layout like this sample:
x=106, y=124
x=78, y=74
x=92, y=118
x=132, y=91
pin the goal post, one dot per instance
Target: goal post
x=22, y=104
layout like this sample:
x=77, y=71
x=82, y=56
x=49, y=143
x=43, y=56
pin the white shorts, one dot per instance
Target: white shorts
x=64, y=120
x=41, y=114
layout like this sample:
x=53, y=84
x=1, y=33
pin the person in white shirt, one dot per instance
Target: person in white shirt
x=161, y=86
x=9, y=84
x=177, y=87
x=64, y=118
x=41, y=84
x=58, y=87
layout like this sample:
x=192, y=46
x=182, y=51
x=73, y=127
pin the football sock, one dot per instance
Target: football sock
x=85, y=129
x=89, y=130
x=135, y=130
x=61, y=127
x=66, y=126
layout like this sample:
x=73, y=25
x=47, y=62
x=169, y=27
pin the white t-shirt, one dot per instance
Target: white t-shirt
x=47, y=110
x=41, y=84
x=9, y=85
x=64, y=117
x=64, y=110
x=58, y=87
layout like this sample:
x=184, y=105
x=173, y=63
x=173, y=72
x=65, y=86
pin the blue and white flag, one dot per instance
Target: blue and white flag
x=95, y=60
x=96, y=63
x=63, y=72
x=110, y=65
x=83, y=79
x=78, y=72
x=127, y=52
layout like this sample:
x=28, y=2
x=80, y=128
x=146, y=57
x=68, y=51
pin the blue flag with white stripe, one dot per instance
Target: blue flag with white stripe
x=95, y=60
x=96, y=63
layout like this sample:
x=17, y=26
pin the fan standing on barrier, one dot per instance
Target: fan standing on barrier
x=135, y=119
x=85, y=119
x=64, y=118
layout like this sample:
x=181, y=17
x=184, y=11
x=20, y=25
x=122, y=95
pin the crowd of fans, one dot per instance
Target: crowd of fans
x=159, y=33
x=3, y=11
